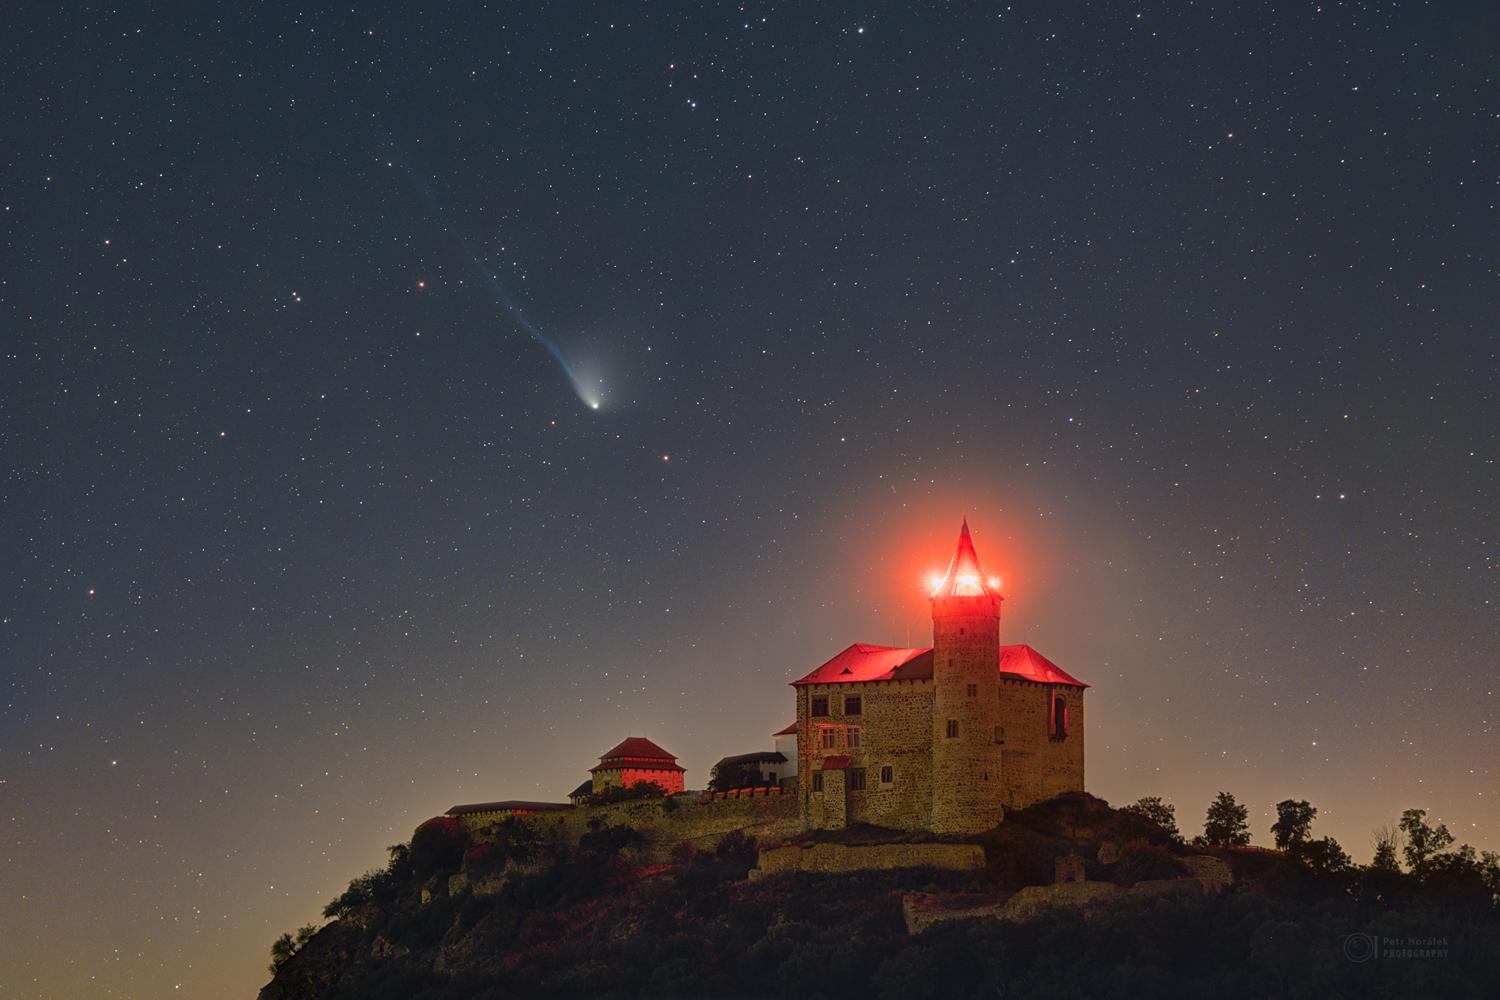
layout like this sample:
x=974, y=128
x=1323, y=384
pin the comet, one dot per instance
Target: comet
x=588, y=394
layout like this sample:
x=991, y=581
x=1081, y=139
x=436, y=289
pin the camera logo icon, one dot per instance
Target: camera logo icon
x=1361, y=947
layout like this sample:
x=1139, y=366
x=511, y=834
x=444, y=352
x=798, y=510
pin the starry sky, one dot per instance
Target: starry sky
x=311, y=529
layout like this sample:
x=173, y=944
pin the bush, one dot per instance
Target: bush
x=284, y=947
x=1141, y=861
x=374, y=888
x=628, y=793
x=738, y=849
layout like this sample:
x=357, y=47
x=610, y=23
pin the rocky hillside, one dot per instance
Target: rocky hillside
x=511, y=915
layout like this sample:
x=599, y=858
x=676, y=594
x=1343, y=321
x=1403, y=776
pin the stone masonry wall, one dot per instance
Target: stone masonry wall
x=1036, y=766
x=895, y=727
x=898, y=735
x=968, y=786
x=848, y=858
x=700, y=823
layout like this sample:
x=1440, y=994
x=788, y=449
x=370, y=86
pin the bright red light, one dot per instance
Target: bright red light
x=964, y=577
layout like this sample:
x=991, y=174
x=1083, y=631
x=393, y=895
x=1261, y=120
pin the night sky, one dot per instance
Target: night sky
x=311, y=529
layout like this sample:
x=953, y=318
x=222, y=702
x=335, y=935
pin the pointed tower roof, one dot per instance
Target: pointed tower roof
x=965, y=577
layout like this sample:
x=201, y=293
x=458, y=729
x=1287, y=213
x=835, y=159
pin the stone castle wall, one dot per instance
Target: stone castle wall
x=898, y=722
x=700, y=823
x=1037, y=767
x=849, y=858
x=895, y=726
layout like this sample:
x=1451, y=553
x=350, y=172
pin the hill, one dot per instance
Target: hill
x=604, y=918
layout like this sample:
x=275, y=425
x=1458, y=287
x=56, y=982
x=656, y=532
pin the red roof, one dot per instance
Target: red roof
x=1025, y=664
x=639, y=747
x=837, y=763
x=788, y=731
x=860, y=663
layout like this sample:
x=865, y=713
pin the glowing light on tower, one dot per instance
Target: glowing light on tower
x=964, y=577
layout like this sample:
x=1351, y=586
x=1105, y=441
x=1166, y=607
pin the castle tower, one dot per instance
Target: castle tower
x=967, y=793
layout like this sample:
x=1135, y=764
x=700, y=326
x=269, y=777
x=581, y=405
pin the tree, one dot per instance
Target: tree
x=1423, y=842
x=1324, y=855
x=1225, y=824
x=284, y=947
x=1388, y=843
x=1293, y=824
x=1158, y=811
x=727, y=777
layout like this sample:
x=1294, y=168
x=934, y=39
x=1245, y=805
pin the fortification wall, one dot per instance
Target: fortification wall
x=1037, y=767
x=665, y=823
x=850, y=857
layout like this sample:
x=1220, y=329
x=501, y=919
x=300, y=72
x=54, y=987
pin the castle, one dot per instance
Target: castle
x=943, y=738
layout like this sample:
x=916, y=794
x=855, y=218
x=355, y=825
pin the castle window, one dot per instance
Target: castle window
x=952, y=728
x=852, y=704
x=856, y=778
x=820, y=706
x=1059, y=719
x=854, y=734
x=887, y=775
x=830, y=738
x=817, y=781
x=999, y=734
x=973, y=690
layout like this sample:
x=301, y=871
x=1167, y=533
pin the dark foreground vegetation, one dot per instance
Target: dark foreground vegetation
x=590, y=922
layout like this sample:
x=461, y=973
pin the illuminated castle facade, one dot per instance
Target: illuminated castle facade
x=942, y=738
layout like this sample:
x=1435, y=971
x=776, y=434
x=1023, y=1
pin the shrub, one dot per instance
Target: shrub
x=284, y=947
x=374, y=888
x=628, y=793
x=1141, y=861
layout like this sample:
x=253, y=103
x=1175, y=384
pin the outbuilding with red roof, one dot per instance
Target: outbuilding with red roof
x=636, y=760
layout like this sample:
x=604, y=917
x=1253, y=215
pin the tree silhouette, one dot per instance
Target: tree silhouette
x=1423, y=842
x=286, y=946
x=1388, y=842
x=1293, y=822
x=727, y=777
x=1159, y=811
x=1225, y=824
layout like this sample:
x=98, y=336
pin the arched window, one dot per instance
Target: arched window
x=1059, y=725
